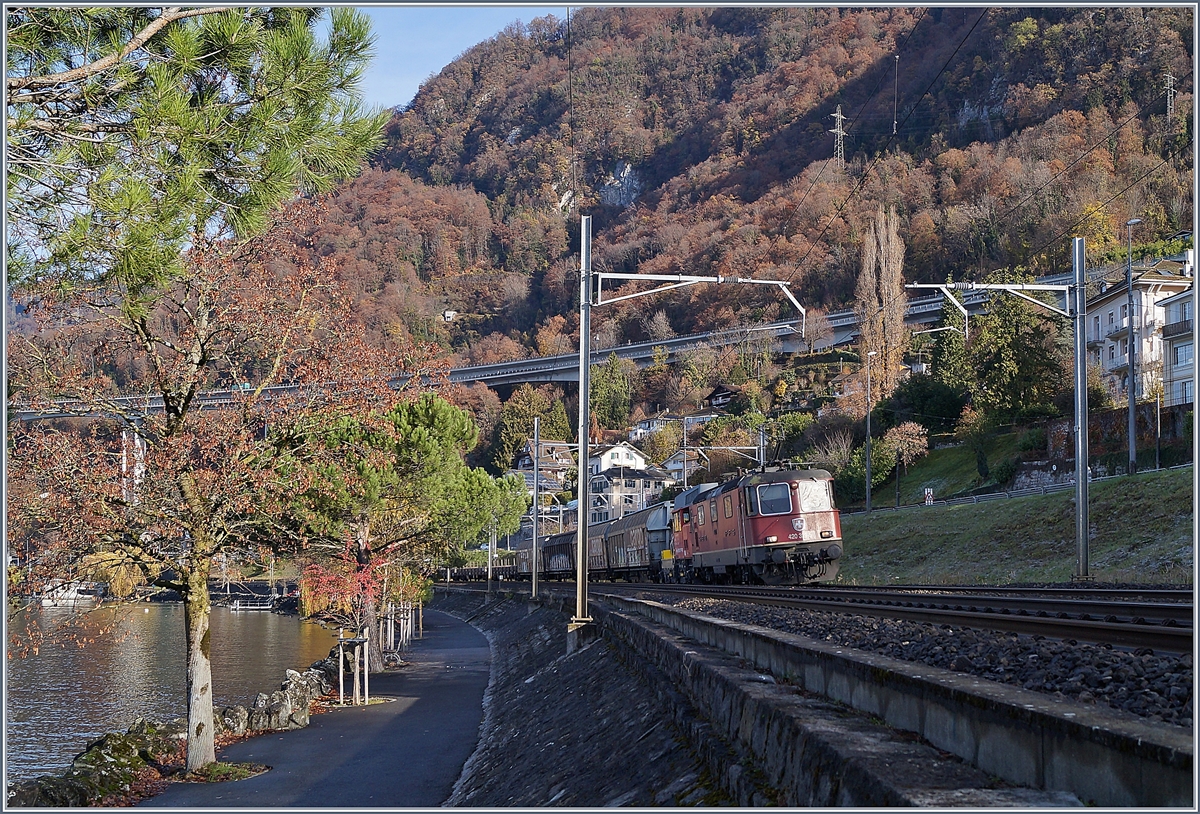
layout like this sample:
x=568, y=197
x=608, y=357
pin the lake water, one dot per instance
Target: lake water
x=64, y=696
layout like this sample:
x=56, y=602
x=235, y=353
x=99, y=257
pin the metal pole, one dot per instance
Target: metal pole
x=366, y=665
x=1081, y=410
x=868, y=450
x=762, y=448
x=537, y=509
x=491, y=546
x=1131, y=385
x=341, y=671
x=685, y=458
x=585, y=393
x=1158, y=428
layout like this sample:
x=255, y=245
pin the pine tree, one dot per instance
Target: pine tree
x=131, y=131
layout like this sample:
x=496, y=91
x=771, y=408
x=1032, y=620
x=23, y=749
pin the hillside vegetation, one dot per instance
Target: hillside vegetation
x=1141, y=531
x=698, y=140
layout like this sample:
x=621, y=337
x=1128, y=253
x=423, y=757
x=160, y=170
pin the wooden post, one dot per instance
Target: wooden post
x=341, y=671
x=357, y=660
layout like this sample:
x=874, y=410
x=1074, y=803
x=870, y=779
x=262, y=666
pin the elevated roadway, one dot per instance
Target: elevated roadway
x=922, y=311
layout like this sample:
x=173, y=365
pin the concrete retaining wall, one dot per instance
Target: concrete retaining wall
x=1102, y=756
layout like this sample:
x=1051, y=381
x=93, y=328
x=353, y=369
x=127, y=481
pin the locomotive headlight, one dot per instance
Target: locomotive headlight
x=826, y=534
x=771, y=539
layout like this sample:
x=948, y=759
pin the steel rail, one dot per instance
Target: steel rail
x=1127, y=634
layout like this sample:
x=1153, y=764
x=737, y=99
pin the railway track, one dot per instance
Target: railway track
x=1113, y=616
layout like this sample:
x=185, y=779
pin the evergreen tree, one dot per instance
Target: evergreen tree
x=515, y=426
x=950, y=365
x=613, y=384
x=132, y=131
x=398, y=488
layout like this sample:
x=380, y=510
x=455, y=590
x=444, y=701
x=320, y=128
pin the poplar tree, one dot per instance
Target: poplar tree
x=880, y=301
x=130, y=131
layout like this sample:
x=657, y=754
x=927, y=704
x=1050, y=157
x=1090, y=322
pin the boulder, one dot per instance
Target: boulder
x=233, y=719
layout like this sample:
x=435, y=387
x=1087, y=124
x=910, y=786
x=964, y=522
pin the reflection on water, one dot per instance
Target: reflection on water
x=61, y=698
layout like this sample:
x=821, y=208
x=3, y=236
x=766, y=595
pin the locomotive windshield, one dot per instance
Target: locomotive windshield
x=774, y=498
x=814, y=496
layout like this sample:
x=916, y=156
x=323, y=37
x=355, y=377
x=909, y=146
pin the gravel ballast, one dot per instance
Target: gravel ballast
x=1157, y=687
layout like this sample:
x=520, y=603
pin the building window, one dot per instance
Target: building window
x=1112, y=352
x=1182, y=354
x=628, y=500
x=1185, y=389
x=1096, y=327
x=1124, y=347
x=1186, y=309
x=1110, y=319
x=630, y=483
x=1124, y=311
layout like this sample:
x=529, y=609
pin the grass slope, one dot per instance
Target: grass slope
x=1141, y=531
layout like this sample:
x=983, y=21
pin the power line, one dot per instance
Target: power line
x=868, y=171
x=858, y=115
x=1105, y=203
x=1011, y=210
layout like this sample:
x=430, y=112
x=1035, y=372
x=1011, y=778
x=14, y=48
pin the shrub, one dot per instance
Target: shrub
x=1005, y=471
x=1032, y=440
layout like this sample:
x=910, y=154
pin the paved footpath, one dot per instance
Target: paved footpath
x=403, y=754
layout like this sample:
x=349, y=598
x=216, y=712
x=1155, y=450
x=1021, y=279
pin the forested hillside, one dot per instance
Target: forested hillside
x=699, y=141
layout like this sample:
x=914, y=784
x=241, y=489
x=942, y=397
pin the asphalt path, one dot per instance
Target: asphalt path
x=404, y=754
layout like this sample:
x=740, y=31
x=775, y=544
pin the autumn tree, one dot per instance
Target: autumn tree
x=909, y=443
x=131, y=132
x=880, y=301
x=173, y=477
x=394, y=492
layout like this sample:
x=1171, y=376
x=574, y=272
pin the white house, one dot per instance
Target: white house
x=618, y=491
x=619, y=454
x=1109, y=322
x=1178, y=334
x=696, y=459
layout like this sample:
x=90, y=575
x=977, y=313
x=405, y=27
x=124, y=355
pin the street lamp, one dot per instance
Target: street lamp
x=869, y=355
x=1130, y=384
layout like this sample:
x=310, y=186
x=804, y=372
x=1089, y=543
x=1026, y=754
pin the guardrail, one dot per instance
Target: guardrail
x=1027, y=492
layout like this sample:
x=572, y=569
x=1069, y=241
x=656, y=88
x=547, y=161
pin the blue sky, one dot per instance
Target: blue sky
x=413, y=43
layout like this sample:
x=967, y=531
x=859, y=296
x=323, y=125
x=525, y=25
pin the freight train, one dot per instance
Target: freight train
x=776, y=526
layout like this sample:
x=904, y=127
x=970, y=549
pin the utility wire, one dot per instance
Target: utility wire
x=1011, y=210
x=871, y=168
x=1105, y=203
x=857, y=115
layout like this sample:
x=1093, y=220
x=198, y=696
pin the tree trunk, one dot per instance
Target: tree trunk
x=201, y=743
x=374, y=650
x=362, y=555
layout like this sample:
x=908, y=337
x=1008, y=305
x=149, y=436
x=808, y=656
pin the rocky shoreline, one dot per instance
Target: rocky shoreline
x=111, y=765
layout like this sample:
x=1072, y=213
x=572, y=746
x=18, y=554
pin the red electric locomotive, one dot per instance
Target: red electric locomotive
x=777, y=526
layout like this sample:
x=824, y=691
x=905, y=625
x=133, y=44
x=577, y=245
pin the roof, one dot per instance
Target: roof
x=649, y=473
